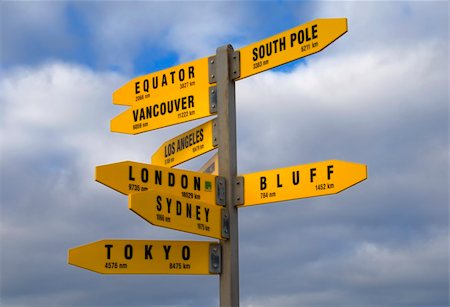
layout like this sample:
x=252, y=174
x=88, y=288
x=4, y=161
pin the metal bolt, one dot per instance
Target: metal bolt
x=212, y=61
x=213, y=76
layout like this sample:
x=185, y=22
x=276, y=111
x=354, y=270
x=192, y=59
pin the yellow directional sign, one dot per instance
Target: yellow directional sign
x=301, y=181
x=290, y=45
x=186, y=146
x=129, y=177
x=165, y=210
x=168, y=97
x=143, y=257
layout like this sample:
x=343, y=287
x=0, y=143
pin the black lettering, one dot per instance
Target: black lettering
x=108, y=250
x=155, y=82
x=197, y=213
x=261, y=51
x=184, y=181
x=275, y=43
x=191, y=72
x=130, y=173
x=181, y=74
x=169, y=202
x=255, y=54
x=269, y=49
x=206, y=213
x=128, y=251
x=293, y=37
x=164, y=80
x=136, y=88
x=190, y=101
x=171, y=179
x=263, y=184
x=146, y=85
x=135, y=115
x=301, y=36
x=296, y=177
x=144, y=175
x=172, y=73
x=163, y=108
x=148, y=251
x=158, y=177
x=178, y=207
x=167, y=250
x=188, y=210
x=330, y=171
x=196, y=183
x=159, y=205
x=186, y=252
x=279, y=185
x=314, y=32
x=283, y=43
x=312, y=174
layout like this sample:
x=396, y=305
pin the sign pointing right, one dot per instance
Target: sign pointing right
x=301, y=181
x=290, y=45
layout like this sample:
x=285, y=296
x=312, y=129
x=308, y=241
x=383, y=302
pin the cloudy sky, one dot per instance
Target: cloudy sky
x=377, y=96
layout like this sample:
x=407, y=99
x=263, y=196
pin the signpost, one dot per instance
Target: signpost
x=172, y=96
x=129, y=177
x=147, y=257
x=301, y=181
x=165, y=210
x=186, y=146
x=189, y=201
x=290, y=45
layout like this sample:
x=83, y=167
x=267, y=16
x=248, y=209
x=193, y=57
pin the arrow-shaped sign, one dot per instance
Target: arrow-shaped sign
x=186, y=146
x=147, y=257
x=129, y=177
x=290, y=45
x=301, y=181
x=165, y=210
x=168, y=97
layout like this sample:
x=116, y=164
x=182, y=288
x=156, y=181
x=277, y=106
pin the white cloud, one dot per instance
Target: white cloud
x=191, y=30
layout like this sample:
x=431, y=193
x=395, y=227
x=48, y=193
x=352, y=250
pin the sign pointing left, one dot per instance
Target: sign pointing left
x=165, y=210
x=171, y=96
x=129, y=177
x=147, y=257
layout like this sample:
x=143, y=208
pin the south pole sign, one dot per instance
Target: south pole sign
x=205, y=203
x=290, y=45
